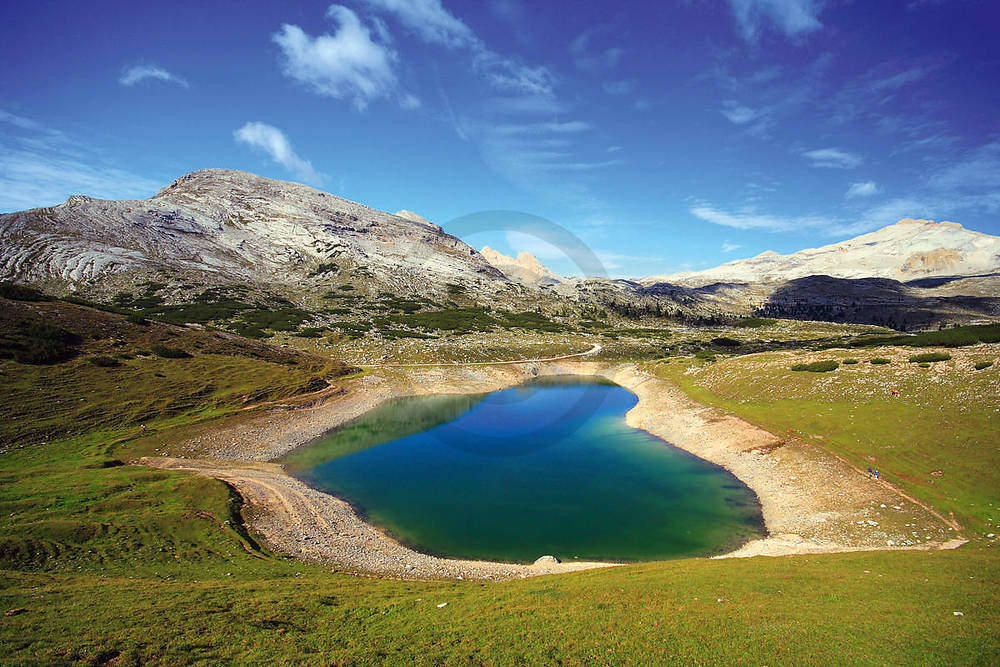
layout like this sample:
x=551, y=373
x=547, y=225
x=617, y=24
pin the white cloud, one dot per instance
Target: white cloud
x=862, y=189
x=792, y=17
x=346, y=65
x=430, y=20
x=568, y=127
x=737, y=113
x=590, y=59
x=614, y=149
x=619, y=87
x=136, y=73
x=43, y=167
x=729, y=247
x=273, y=141
x=769, y=223
x=833, y=158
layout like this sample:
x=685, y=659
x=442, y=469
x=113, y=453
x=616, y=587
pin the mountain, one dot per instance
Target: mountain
x=525, y=269
x=905, y=251
x=219, y=226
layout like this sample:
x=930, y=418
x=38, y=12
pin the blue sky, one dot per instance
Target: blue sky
x=668, y=135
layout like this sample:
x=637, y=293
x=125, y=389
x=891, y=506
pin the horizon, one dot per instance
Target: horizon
x=670, y=138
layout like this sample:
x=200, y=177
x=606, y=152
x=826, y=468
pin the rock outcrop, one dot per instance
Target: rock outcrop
x=908, y=250
x=526, y=269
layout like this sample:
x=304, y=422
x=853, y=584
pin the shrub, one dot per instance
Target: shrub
x=726, y=342
x=983, y=364
x=704, y=355
x=880, y=361
x=136, y=318
x=924, y=365
x=169, y=352
x=38, y=343
x=310, y=332
x=956, y=337
x=754, y=322
x=930, y=357
x=104, y=361
x=817, y=366
x=849, y=362
x=324, y=268
x=15, y=292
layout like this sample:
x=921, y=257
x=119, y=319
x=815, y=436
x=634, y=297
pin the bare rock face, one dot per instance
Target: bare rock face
x=908, y=250
x=237, y=227
x=525, y=269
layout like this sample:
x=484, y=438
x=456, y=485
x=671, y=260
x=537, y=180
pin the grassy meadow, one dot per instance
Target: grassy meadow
x=105, y=563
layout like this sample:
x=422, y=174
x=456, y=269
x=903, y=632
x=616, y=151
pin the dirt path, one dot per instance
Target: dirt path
x=812, y=501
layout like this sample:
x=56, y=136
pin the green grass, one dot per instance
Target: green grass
x=955, y=337
x=122, y=563
x=939, y=441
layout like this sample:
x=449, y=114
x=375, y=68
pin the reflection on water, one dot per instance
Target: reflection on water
x=549, y=467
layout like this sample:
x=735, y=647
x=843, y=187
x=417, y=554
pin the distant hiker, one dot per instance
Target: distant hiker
x=870, y=472
x=876, y=474
x=142, y=427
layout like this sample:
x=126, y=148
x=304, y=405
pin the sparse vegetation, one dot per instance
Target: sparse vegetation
x=954, y=337
x=754, y=322
x=849, y=362
x=36, y=342
x=881, y=361
x=104, y=361
x=16, y=292
x=983, y=364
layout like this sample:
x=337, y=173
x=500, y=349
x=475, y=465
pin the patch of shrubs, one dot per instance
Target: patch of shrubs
x=104, y=361
x=983, y=364
x=136, y=318
x=38, y=343
x=169, y=352
x=325, y=268
x=722, y=341
x=15, y=292
x=849, y=362
x=310, y=332
x=704, y=355
x=930, y=357
x=817, y=366
x=754, y=322
x=956, y=337
x=880, y=361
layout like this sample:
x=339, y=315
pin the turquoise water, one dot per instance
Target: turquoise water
x=549, y=467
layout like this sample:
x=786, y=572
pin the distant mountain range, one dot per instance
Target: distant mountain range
x=908, y=250
x=216, y=227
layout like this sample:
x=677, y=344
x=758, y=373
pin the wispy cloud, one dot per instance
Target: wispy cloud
x=862, y=189
x=42, y=166
x=623, y=87
x=729, y=247
x=833, y=158
x=791, y=17
x=594, y=59
x=348, y=65
x=430, y=20
x=737, y=113
x=276, y=145
x=137, y=73
x=756, y=221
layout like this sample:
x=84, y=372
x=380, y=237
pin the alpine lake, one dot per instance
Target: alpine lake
x=544, y=468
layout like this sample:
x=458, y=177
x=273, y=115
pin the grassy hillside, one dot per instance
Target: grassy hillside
x=107, y=563
x=934, y=431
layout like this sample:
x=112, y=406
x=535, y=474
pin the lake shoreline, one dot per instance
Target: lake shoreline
x=812, y=502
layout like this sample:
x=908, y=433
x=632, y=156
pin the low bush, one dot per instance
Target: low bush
x=930, y=357
x=722, y=341
x=15, y=292
x=38, y=343
x=169, y=352
x=956, y=337
x=924, y=365
x=136, y=318
x=983, y=364
x=849, y=362
x=754, y=322
x=310, y=332
x=704, y=355
x=104, y=361
x=880, y=361
x=325, y=268
x=817, y=366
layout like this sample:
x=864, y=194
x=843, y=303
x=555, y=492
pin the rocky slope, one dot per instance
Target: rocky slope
x=225, y=226
x=525, y=269
x=908, y=250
